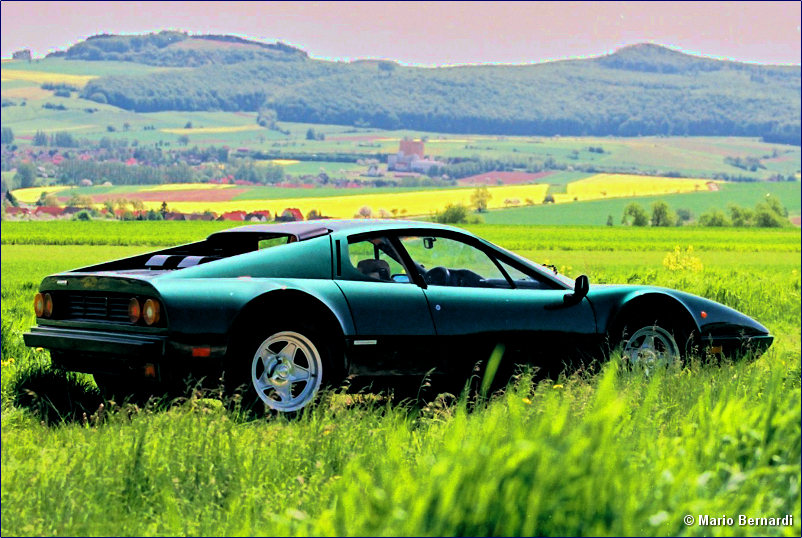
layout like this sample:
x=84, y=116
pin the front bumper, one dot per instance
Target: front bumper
x=737, y=346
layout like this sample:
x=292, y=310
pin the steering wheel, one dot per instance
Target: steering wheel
x=438, y=276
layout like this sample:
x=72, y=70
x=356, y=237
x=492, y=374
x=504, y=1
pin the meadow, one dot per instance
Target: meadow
x=616, y=453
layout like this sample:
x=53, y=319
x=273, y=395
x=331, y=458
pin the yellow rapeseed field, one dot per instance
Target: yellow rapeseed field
x=32, y=194
x=422, y=202
x=41, y=77
x=283, y=162
x=212, y=130
x=624, y=185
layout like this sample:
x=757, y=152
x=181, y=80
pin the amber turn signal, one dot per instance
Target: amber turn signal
x=39, y=305
x=151, y=312
x=134, y=310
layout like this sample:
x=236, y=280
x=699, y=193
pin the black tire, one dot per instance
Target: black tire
x=283, y=369
x=652, y=343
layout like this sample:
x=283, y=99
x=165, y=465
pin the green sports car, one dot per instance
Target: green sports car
x=284, y=309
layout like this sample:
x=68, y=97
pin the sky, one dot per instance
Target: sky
x=431, y=33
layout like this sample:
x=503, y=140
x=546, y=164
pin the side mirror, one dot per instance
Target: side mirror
x=581, y=287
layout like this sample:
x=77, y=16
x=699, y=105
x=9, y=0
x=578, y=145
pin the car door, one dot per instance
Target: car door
x=393, y=323
x=478, y=300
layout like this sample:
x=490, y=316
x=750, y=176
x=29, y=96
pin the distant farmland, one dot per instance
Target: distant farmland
x=345, y=203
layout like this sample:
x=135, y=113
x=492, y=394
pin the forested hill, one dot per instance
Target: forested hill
x=638, y=90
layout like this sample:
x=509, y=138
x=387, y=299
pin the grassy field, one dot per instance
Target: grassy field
x=595, y=212
x=612, y=454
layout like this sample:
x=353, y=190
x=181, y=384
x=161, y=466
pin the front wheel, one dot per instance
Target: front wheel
x=651, y=347
x=287, y=370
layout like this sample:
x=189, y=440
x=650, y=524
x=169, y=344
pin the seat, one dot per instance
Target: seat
x=378, y=269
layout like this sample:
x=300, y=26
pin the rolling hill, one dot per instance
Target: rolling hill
x=638, y=90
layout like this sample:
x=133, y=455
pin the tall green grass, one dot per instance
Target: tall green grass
x=618, y=453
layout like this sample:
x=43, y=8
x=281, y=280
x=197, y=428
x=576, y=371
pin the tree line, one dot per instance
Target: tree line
x=640, y=90
x=767, y=213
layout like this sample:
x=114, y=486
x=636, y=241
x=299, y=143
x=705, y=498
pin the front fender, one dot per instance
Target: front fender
x=707, y=316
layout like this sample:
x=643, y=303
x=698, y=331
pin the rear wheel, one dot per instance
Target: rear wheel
x=287, y=370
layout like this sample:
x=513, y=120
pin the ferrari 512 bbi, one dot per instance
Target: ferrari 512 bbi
x=284, y=309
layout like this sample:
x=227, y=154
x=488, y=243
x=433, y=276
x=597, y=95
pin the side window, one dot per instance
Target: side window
x=447, y=262
x=375, y=259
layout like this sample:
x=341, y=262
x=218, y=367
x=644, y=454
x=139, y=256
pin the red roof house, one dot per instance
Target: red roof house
x=234, y=215
x=291, y=214
x=48, y=210
x=11, y=210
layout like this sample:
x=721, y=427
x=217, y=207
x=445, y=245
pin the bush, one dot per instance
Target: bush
x=82, y=215
x=635, y=215
x=452, y=214
x=714, y=217
x=662, y=215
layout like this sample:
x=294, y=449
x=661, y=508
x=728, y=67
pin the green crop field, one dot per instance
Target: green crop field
x=595, y=212
x=615, y=453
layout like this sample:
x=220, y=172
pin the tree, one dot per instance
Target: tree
x=636, y=213
x=25, y=176
x=64, y=139
x=714, y=217
x=609, y=220
x=7, y=136
x=163, y=209
x=82, y=215
x=47, y=200
x=480, y=198
x=452, y=214
x=740, y=216
x=774, y=204
x=183, y=140
x=387, y=67
x=39, y=139
x=770, y=214
x=684, y=215
x=267, y=117
x=662, y=215
x=310, y=134
x=77, y=200
x=365, y=212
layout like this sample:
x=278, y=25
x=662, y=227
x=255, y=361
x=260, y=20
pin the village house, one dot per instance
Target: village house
x=410, y=158
x=290, y=214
